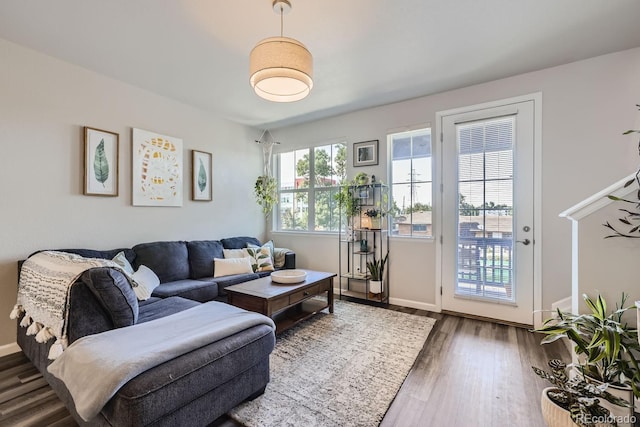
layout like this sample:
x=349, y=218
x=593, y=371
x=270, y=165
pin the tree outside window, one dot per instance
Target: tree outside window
x=307, y=180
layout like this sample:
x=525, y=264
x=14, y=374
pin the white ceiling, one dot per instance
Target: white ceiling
x=366, y=52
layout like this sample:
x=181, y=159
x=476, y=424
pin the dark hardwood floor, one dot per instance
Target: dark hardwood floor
x=469, y=373
x=25, y=397
x=474, y=373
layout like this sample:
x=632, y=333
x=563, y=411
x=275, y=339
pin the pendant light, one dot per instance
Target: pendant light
x=281, y=68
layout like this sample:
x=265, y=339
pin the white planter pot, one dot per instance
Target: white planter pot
x=554, y=415
x=623, y=415
x=376, y=223
x=375, y=286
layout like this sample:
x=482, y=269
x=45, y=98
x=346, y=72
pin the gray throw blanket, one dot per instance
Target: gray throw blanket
x=94, y=367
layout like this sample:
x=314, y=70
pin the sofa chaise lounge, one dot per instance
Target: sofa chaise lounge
x=193, y=389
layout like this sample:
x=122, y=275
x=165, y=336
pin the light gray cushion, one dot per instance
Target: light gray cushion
x=123, y=262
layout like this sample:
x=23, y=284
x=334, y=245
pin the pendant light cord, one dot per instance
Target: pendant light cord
x=281, y=19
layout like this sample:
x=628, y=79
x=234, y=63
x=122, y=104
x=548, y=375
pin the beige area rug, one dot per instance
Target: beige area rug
x=341, y=370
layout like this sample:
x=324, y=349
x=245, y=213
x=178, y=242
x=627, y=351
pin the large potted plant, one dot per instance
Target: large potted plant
x=607, y=348
x=572, y=401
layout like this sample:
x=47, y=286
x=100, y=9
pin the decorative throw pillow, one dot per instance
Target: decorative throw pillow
x=146, y=281
x=260, y=259
x=123, y=262
x=229, y=266
x=269, y=245
x=233, y=253
x=128, y=270
x=279, y=256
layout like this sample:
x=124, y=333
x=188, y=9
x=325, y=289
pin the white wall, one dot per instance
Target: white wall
x=44, y=104
x=607, y=266
x=586, y=107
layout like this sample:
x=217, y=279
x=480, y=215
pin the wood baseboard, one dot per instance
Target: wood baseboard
x=403, y=303
x=415, y=304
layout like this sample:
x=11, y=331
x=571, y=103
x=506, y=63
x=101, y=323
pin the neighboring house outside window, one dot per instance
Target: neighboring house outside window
x=308, y=179
x=419, y=228
x=411, y=183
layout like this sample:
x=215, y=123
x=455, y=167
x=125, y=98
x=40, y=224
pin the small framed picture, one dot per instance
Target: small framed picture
x=365, y=153
x=363, y=193
x=100, y=162
x=201, y=176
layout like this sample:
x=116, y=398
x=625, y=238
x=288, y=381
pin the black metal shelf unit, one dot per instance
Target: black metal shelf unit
x=364, y=239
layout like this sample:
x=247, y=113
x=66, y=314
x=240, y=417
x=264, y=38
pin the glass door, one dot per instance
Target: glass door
x=487, y=252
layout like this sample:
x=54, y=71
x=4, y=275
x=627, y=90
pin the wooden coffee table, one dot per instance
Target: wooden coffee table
x=286, y=304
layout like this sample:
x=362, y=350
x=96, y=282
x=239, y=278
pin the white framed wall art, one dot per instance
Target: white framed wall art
x=157, y=174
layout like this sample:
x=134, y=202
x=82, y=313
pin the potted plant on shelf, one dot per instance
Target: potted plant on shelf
x=607, y=349
x=375, y=218
x=361, y=179
x=347, y=201
x=376, y=273
x=574, y=400
x=350, y=203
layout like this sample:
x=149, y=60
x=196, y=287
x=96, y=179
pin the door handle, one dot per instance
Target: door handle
x=525, y=242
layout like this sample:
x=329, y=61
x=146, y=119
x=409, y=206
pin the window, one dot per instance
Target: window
x=307, y=181
x=411, y=183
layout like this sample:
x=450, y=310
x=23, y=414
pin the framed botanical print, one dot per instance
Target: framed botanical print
x=201, y=184
x=100, y=162
x=365, y=153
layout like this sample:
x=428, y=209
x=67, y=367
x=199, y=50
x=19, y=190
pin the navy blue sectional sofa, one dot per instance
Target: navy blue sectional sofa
x=193, y=389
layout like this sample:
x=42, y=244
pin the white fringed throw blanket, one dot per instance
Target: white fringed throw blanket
x=43, y=294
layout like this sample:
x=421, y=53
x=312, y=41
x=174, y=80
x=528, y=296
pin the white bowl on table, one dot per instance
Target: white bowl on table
x=288, y=276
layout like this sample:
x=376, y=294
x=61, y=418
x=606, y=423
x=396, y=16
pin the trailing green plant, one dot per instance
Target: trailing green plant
x=347, y=201
x=577, y=395
x=266, y=193
x=630, y=218
x=607, y=348
x=376, y=267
